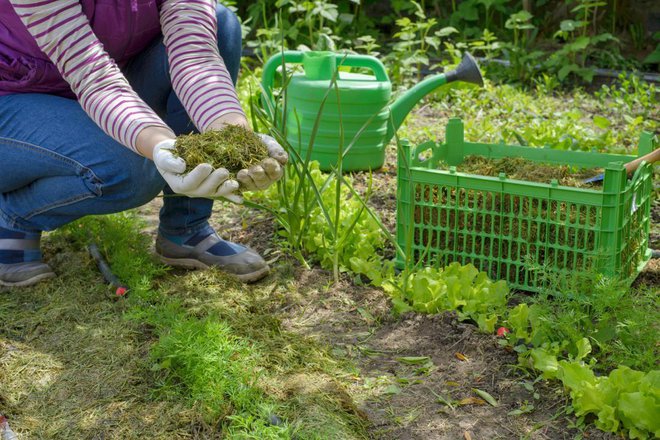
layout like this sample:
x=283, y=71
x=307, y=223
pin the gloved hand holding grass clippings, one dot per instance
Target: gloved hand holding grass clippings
x=254, y=159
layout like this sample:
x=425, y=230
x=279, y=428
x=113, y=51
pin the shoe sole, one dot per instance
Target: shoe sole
x=29, y=282
x=191, y=263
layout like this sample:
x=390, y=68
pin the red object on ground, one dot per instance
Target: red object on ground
x=502, y=332
x=121, y=291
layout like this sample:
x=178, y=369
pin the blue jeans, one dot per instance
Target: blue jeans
x=57, y=165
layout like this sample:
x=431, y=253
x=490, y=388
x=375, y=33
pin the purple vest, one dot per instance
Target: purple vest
x=125, y=27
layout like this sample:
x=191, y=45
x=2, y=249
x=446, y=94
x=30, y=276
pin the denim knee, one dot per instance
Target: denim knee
x=131, y=183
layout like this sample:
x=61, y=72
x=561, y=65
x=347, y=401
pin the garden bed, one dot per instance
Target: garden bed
x=332, y=357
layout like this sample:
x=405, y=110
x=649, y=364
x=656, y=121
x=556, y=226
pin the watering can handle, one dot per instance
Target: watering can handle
x=268, y=76
x=366, y=62
x=297, y=57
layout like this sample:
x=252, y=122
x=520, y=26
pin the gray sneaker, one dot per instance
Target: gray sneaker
x=24, y=274
x=212, y=251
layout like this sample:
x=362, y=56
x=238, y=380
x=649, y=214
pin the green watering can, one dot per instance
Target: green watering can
x=361, y=105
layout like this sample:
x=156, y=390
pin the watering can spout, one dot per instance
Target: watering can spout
x=467, y=71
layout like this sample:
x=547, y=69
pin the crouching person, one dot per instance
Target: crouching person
x=92, y=97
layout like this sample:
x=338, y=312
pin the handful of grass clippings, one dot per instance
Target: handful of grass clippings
x=234, y=148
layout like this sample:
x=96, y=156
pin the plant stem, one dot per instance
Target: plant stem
x=311, y=33
x=338, y=171
x=335, y=266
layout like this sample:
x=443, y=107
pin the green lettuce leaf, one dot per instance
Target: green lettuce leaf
x=545, y=362
x=640, y=411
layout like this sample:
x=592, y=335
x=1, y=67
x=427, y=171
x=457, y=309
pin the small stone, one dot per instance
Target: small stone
x=275, y=420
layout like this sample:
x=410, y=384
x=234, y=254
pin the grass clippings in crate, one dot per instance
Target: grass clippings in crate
x=234, y=148
x=539, y=227
x=515, y=209
x=514, y=223
x=523, y=169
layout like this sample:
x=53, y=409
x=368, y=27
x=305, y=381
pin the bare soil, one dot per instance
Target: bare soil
x=428, y=400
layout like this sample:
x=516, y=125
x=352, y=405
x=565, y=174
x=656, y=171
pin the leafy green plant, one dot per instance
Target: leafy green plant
x=546, y=84
x=572, y=57
x=490, y=7
x=295, y=23
x=267, y=39
x=637, y=35
x=625, y=399
x=630, y=95
x=465, y=15
x=356, y=234
x=312, y=15
x=497, y=113
x=415, y=39
x=610, y=315
x=461, y=288
x=579, y=40
x=367, y=44
x=320, y=214
x=309, y=21
x=523, y=60
x=579, y=335
x=488, y=45
x=654, y=57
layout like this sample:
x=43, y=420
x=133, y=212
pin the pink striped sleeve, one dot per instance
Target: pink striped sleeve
x=63, y=33
x=199, y=76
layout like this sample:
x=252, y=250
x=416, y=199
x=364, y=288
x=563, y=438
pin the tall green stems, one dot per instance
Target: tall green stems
x=320, y=215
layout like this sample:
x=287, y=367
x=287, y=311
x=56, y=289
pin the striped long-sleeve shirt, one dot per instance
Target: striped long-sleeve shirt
x=198, y=73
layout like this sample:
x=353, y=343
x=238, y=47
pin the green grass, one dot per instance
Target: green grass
x=196, y=351
x=204, y=360
x=620, y=322
x=71, y=366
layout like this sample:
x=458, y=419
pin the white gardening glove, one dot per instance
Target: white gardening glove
x=261, y=176
x=202, y=181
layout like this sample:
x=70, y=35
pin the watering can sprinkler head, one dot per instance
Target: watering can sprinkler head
x=467, y=71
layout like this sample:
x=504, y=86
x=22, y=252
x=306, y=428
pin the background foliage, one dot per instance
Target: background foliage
x=567, y=39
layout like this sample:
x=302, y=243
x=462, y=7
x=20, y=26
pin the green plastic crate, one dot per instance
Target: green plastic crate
x=530, y=234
